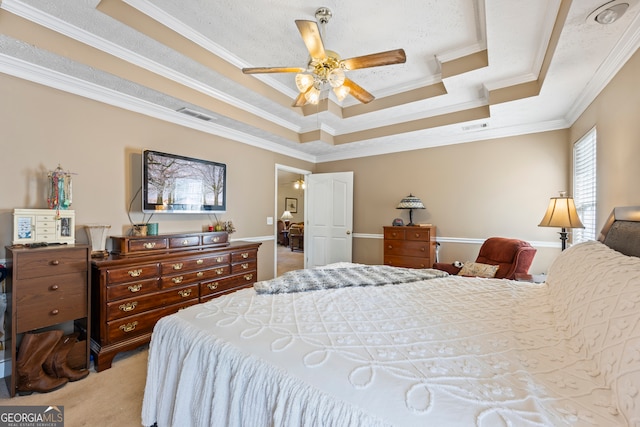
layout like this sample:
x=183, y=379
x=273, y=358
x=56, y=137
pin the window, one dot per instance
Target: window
x=584, y=186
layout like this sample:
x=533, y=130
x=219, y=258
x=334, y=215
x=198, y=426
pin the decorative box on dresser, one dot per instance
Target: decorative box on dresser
x=149, y=277
x=47, y=287
x=407, y=246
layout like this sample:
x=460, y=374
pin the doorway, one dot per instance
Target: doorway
x=289, y=197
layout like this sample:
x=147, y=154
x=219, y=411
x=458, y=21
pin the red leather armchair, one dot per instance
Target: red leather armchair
x=512, y=255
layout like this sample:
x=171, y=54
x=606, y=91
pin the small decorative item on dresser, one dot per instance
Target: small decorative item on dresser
x=98, y=239
x=59, y=195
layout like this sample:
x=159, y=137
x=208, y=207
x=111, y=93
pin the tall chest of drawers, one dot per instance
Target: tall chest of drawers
x=413, y=247
x=153, y=276
x=47, y=287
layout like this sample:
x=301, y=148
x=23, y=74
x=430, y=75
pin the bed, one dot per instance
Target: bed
x=336, y=349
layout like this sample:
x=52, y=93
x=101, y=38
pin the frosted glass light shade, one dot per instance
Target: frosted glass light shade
x=341, y=92
x=313, y=95
x=304, y=82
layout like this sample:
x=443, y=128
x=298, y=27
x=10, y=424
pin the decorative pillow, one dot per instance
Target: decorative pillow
x=478, y=270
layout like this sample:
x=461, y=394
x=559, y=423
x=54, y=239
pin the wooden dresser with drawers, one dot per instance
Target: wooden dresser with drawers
x=148, y=277
x=413, y=247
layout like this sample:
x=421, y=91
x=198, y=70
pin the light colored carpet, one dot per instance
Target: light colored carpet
x=289, y=260
x=112, y=397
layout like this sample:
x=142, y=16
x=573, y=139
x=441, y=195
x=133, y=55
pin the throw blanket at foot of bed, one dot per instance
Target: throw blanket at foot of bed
x=330, y=278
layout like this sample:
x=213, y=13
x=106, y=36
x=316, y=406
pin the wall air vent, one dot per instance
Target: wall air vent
x=194, y=113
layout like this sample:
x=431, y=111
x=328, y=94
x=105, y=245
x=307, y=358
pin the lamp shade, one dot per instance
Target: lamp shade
x=561, y=213
x=286, y=215
x=410, y=202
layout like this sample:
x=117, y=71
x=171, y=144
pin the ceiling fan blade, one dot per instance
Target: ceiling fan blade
x=358, y=92
x=260, y=70
x=300, y=100
x=311, y=38
x=389, y=57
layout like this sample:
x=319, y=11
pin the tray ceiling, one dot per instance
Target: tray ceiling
x=475, y=69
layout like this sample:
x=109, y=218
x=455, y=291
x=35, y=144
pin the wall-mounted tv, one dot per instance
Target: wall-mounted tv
x=179, y=184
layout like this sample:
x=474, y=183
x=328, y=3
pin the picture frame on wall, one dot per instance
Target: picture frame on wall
x=291, y=204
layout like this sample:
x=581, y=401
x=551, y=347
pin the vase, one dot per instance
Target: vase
x=98, y=239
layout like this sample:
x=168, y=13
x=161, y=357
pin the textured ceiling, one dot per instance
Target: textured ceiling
x=475, y=69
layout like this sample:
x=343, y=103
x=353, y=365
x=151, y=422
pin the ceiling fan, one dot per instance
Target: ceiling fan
x=326, y=68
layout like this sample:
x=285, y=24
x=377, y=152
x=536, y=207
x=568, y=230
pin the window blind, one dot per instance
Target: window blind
x=584, y=186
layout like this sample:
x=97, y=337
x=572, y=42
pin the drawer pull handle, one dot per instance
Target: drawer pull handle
x=54, y=287
x=199, y=261
x=135, y=273
x=178, y=279
x=128, y=306
x=219, y=259
x=245, y=255
x=245, y=265
x=177, y=266
x=213, y=286
x=135, y=288
x=423, y=249
x=248, y=277
x=219, y=271
x=55, y=262
x=216, y=239
x=390, y=247
x=185, y=242
x=150, y=245
x=55, y=311
x=128, y=327
x=200, y=274
x=184, y=293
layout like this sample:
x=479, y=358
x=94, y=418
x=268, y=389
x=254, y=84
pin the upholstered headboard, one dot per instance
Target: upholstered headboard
x=621, y=232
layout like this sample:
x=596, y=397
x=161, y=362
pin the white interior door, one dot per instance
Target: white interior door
x=329, y=209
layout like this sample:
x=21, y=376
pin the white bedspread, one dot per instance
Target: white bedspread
x=441, y=352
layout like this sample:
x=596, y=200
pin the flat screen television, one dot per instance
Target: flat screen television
x=179, y=184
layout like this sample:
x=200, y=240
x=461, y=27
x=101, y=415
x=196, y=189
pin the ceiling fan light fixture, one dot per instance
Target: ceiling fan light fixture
x=341, y=92
x=336, y=77
x=313, y=95
x=304, y=82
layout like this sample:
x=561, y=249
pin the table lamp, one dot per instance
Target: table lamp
x=286, y=217
x=561, y=213
x=410, y=202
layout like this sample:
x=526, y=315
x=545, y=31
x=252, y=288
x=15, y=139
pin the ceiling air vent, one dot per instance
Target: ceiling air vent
x=476, y=126
x=194, y=113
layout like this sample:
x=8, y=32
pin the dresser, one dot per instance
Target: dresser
x=149, y=277
x=413, y=247
x=48, y=287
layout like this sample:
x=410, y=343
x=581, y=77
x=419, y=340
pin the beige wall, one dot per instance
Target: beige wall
x=472, y=191
x=43, y=127
x=616, y=115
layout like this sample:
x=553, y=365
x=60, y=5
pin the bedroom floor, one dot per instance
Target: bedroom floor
x=100, y=399
x=289, y=260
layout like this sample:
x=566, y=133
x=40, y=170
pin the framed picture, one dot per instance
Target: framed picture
x=291, y=204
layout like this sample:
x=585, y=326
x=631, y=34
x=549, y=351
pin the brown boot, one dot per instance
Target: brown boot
x=56, y=363
x=33, y=351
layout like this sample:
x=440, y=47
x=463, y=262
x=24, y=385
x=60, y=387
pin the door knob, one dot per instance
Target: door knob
x=348, y=231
